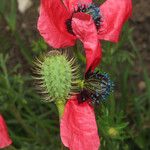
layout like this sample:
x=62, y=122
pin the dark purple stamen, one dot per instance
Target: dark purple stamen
x=97, y=87
x=69, y=26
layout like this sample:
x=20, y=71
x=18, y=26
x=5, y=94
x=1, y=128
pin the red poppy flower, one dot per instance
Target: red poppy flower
x=4, y=137
x=78, y=127
x=61, y=24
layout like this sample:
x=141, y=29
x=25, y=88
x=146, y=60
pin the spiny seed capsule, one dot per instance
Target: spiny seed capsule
x=56, y=76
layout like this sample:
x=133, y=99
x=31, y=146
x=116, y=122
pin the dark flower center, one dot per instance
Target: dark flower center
x=97, y=88
x=91, y=9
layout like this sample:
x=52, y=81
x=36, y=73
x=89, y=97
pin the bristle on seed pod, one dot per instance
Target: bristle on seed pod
x=55, y=77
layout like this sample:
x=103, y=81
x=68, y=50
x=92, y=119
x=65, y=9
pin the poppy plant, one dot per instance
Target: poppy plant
x=78, y=125
x=61, y=23
x=5, y=140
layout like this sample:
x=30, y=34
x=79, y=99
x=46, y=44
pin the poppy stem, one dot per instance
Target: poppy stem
x=62, y=146
x=11, y=148
x=60, y=106
x=80, y=84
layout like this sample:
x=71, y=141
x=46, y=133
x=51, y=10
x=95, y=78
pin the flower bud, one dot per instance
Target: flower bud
x=112, y=132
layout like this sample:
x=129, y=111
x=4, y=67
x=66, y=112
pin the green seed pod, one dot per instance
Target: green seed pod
x=57, y=77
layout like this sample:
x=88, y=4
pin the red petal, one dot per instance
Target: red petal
x=84, y=28
x=4, y=137
x=78, y=127
x=72, y=4
x=51, y=24
x=114, y=14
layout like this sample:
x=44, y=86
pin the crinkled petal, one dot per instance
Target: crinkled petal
x=52, y=24
x=72, y=4
x=4, y=137
x=78, y=127
x=114, y=14
x=85, y=30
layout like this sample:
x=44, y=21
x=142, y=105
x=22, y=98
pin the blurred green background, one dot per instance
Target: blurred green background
x=123, y=120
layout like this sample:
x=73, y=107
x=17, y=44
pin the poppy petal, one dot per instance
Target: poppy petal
x=4, y=137
x=52, y=24
x=72, y=4
x=78, y=127
x=114, y=14
x=85, y=30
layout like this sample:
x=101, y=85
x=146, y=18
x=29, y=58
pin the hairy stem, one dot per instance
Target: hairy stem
x=60, y=106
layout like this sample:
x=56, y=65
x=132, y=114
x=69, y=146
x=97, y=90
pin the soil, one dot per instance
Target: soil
x=140, y=22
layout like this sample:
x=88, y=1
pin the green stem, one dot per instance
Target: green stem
x=10, y=148
x=62, y=146
x=60, y=106
x=80, y=84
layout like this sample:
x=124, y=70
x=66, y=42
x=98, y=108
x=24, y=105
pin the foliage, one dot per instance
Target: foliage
x=123, y=120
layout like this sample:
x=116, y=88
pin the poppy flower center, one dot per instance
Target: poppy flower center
x=97, y=87
x=90, y=9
